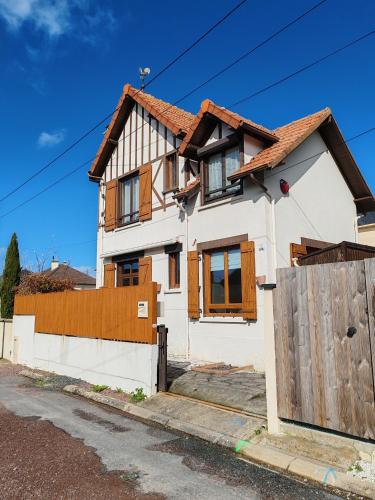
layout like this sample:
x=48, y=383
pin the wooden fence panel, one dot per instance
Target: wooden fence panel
x=325, y=374
x=107, y=313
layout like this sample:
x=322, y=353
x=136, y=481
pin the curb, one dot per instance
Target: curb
x=316, y=471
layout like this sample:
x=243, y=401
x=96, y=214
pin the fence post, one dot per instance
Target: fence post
x=270, y=361
x=162, y=358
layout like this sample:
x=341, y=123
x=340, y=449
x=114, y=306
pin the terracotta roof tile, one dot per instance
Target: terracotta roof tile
x=290, y=136
x=189, y=190
x=229, y=117
x=176, y=119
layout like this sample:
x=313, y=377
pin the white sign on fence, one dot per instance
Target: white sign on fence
x=143, y=309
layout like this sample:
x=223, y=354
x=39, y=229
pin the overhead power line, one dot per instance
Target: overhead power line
x=232, y=105
x=357, y=136
x=92, y=129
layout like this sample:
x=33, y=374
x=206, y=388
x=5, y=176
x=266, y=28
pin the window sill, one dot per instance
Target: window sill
x=128, y=226
x=213, y=204
x=223, y=319
x=171, y=291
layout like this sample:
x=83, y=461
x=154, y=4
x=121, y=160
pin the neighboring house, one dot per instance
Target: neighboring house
x=209, y=206
x=81, y=281
x=366, y=229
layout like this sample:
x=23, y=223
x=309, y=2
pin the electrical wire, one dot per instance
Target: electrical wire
x=331, y=54
x=92, y=129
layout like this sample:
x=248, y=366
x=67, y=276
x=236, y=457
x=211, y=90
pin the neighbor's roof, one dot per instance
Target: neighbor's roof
x=174, y=118
x=65, y=272
x=189, y=190
x=369, y=218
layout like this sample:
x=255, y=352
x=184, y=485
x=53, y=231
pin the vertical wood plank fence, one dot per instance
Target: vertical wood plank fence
x=106, y=313
x=325, y=345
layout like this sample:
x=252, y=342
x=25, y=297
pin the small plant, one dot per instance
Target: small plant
x=355, y=468
x=99, y=388
x=138, y=395
x=119, y=390
x=40, y=382
x=258, y=431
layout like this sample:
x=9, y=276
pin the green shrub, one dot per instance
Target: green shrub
x=99, y=388
x=138, y=395
x=11, y=278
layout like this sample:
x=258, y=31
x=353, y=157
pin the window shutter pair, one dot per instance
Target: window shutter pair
x=145, y=198
x=109, y=275
x=110, y=222
x=247, y=280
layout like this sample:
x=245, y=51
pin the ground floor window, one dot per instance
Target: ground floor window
x=174, y=269
x=128, y=273
x=223, y=284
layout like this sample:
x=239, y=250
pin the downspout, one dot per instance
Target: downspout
x=183, y=209
x=272, y=220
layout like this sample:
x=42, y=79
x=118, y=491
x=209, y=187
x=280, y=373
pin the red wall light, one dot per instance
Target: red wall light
x=284, y=186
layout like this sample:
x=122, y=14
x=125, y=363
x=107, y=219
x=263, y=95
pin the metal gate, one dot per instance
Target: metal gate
x=325, y=345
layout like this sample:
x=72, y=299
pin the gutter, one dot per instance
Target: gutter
x=157, y=244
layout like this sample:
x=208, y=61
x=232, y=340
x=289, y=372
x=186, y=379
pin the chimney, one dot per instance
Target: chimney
x=54, y=264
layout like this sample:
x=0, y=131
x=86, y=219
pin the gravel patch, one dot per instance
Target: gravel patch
x=8, y=369
x=362, y=470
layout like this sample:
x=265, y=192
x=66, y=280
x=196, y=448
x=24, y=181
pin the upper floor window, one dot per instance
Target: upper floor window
x=218, y=168
x=129, y=199
x=171, y=172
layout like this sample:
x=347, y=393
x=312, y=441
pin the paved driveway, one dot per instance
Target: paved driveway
x=57, y=446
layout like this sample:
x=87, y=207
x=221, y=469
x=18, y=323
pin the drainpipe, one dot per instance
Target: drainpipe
x=3, y=340
x=183, y=209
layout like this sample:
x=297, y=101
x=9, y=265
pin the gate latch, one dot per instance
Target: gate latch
x=352, y=330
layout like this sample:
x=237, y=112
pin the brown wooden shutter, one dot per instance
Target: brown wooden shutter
x=109, y=275
x=296, y=251
x=249, y=303
x=111, y=206
x=145, y=192
x=193, y=284
x=145, y=270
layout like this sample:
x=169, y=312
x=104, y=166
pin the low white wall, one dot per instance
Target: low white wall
x=6, y=339
x=116, y=364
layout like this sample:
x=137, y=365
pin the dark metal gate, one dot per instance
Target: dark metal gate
x=162, y=358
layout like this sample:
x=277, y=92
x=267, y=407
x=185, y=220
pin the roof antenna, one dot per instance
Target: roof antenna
x=143, y=72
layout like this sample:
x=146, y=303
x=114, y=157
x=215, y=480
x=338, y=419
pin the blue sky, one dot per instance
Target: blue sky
x=64, y=63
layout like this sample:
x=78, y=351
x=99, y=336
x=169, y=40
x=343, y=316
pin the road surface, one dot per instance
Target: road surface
x=55, y=446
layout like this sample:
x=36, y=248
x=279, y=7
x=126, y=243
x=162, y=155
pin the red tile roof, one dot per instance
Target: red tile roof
x=189, y=190
x=63, y=271
x=290, y=136
x=229, y=117
x=176, y=119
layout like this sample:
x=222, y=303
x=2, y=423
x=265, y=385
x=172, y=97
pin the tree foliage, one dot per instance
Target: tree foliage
x=11, y=278
x=41, y=283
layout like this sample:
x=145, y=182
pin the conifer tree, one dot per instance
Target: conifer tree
x=11, y=278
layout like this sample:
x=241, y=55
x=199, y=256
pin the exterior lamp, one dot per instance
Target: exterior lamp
x=284, y=186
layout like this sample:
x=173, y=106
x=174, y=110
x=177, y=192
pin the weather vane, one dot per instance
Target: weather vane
x=143, y=72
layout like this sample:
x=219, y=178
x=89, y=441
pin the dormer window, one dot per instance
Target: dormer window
x=218, y=167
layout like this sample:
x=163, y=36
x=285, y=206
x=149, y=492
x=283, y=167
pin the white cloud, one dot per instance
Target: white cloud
x=47, y=139
x=58, y=17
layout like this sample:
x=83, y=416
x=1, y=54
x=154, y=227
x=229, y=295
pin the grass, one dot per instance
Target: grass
x=40, y=382
x=119, y=390
x=355, y=468
x=138, y=395
x=99, y=388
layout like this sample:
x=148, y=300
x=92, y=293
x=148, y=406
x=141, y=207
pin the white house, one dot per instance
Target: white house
x=208, y=206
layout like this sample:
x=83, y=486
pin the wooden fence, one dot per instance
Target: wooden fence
x=325, y=345
x=106, y=313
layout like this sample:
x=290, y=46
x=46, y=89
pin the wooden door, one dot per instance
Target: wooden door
x=324, y=351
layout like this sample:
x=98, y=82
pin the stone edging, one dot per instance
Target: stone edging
x=313, y=470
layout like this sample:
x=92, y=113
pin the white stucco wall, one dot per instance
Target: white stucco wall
x=319, y=204
x=6, y=339
x=117, y=364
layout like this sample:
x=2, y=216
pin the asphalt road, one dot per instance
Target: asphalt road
x=54, y=446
